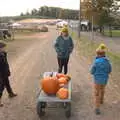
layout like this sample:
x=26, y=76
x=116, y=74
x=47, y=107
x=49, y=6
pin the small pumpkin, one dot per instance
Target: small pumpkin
x=61, y=85
x=63, y=93
x=68, y=77
x=50, y=85
x=62, y=80
x=59, y=75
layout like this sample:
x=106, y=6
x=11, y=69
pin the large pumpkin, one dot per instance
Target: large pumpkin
x=62, y=80
x=50, y=85
x=62, y=93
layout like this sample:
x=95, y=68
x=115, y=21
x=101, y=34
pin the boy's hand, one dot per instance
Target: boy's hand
x=60, y=53
x=110, y=75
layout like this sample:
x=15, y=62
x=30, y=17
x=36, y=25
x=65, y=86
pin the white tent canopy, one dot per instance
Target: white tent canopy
x=62, y=23
x=15, y=25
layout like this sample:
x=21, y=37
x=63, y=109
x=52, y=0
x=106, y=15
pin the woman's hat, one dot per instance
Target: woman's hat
x=64, y=29
x=65, y=25
x=2, y=45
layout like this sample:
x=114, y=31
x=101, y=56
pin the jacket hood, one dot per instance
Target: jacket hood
x=102, y=59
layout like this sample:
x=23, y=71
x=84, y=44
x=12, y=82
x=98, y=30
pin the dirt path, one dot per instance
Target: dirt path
x=27, y=67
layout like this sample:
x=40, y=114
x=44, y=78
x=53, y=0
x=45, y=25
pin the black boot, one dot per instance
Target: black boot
x=101, y=102
x=1, y=105
x=12, y=95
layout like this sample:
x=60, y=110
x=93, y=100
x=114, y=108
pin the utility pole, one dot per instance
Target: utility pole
x=92, y=27
x=79, y=26
x=0, y=20
x=93, y=2
x=56, y=14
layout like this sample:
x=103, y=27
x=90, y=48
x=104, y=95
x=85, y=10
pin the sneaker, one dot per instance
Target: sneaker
x=1, y=105
x=12, y=95
x=97, y=111
x=101, y=102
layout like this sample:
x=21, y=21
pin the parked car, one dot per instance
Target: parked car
x=51, y=23
x=61, y=24
x=4, y=34
x=44, y=28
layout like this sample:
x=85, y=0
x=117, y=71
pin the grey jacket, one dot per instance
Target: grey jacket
x=63, y=47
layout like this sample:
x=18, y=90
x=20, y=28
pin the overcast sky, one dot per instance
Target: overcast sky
x=15, y=7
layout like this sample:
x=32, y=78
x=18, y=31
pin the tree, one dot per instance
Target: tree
x=43, y=11
x=27, y=13
x=34, y=12
x=61, y=14
x=101, y=10
x=54, y=12
x=22, y=14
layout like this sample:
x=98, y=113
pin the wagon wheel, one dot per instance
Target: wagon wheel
x=68, y=110
x=41, y=108
x=43, y=105
x=64, y=105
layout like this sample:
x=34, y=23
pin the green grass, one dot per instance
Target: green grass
x=115, y=33
x=88, y=49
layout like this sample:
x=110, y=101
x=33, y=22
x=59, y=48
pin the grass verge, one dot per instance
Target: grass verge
x=115, y=33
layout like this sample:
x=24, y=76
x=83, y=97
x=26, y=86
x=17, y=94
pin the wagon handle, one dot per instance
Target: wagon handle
x=39, y=93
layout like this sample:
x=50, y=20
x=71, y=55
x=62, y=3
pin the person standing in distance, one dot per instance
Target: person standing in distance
x=64, y=47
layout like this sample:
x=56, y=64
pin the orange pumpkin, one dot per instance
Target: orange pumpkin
x=61, y=85
x=62, y=80
x=63, y=93
x=68, y=77
x=50, y=85
x=59, y=75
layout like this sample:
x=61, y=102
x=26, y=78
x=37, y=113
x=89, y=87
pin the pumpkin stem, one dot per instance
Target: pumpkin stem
x=51, y=74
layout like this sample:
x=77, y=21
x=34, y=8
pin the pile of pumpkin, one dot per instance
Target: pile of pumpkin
x=56, y=85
